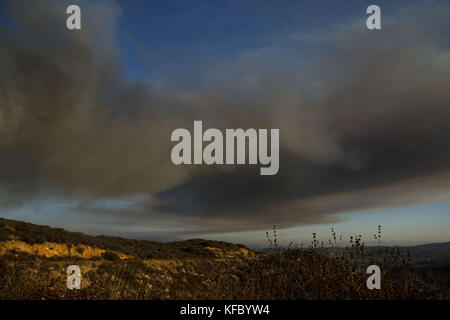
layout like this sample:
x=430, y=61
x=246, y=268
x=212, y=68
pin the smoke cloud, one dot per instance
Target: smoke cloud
x=363, y=124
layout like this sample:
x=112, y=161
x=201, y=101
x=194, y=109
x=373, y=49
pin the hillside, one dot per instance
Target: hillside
x=34, y=259
x=11, y=230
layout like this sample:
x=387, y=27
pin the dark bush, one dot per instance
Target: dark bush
x=110, y=256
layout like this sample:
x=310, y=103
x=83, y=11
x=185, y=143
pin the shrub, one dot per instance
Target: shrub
x=110, y=256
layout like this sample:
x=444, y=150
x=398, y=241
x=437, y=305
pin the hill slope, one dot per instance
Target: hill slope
x=44, y=237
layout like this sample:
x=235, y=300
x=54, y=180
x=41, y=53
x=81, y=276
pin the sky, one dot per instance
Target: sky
x=86, y=118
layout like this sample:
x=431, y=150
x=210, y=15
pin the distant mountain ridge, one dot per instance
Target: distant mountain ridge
x=432, y=245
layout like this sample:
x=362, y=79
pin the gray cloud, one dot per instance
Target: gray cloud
x=362, y=124
x=69, y=122
x=381, y=119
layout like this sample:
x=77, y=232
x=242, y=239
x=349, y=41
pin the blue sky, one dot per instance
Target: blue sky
x=158, y=38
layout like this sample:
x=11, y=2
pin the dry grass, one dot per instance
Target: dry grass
x=315, y=272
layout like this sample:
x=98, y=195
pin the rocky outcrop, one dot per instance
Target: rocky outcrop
x=52, y=249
